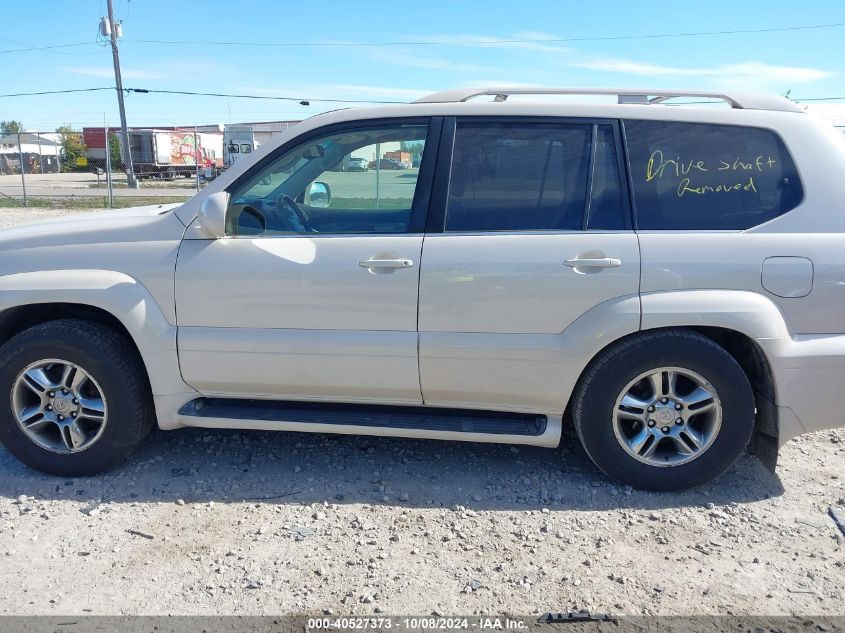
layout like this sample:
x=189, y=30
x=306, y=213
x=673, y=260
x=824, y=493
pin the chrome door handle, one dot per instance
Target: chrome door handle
x=386, y=263
x=597, y=262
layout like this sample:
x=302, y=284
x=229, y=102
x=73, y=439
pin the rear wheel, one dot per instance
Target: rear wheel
x=78, y=401
x=664, y=410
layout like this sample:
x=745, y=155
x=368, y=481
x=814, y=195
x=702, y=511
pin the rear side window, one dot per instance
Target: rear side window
x=515, y=176
x=698, y=176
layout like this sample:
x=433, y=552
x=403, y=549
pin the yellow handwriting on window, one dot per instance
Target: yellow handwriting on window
x=684, y=187
x=760, y=163
x=658, y=165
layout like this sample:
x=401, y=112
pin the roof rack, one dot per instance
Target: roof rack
x=744, y=100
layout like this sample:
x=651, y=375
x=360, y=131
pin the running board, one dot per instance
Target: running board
x=358, y=419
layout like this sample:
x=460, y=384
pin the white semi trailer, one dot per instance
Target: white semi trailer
x=166, y=154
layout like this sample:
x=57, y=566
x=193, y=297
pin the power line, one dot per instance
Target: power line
x=821, y=99
x=54, y=92
x=300, y=100
x=45, y=48
x=479, y=42
x=456, y=42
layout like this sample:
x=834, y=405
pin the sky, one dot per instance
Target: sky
x=345, y=56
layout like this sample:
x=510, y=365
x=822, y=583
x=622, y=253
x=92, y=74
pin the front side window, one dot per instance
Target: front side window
x=518, y=176
x=356, y=181
x=699, y=176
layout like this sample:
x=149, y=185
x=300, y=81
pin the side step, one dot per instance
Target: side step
x=401, y=421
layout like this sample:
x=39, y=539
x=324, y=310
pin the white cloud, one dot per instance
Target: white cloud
x=411, y=60
x=766, y=72
x=108, y=71
x=533, y=42
x=338, y=91
x=757, y=73
x=540, y=41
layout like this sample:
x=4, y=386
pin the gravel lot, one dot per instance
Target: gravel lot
x=82, y=184
x=219, y=522
x=13, y=216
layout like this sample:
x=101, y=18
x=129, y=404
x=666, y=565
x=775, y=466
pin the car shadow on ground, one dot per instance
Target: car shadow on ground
x=198, y=465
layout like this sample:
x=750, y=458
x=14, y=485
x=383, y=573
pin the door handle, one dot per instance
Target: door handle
x=593, y=262
x=386, y=263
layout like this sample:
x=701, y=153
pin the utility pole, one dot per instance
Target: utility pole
x=118, y=85
x=23, y=169
x=108, y=166
x=197, y=158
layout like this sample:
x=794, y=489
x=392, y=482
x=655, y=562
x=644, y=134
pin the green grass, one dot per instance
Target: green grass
x=90, y=202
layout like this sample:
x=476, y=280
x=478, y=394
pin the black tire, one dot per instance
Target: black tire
x=608, y=375
x=112, y=362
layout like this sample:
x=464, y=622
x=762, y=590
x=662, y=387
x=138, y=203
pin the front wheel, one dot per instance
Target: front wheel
x=664, y=410
x=77, y=399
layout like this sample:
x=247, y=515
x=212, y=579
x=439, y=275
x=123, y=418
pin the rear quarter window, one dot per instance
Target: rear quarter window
x=700, y=176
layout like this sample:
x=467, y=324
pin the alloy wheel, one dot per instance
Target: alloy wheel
x=59, y=406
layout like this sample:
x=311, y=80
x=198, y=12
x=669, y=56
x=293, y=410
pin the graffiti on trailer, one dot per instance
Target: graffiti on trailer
x=182, y=149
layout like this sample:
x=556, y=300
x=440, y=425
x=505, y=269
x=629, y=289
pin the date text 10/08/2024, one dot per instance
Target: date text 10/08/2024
x=659, y=166
x=424, y=623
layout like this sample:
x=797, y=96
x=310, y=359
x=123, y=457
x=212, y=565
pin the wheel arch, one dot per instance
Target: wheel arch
x=754, y=363
x=110, y=298
x=17, y=319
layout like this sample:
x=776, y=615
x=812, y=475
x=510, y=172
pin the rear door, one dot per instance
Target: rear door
x=529, y=229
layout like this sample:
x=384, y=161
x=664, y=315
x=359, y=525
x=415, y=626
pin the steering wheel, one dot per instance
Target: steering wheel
x=297, y=215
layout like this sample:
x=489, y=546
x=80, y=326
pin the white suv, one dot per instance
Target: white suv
x=671, y=279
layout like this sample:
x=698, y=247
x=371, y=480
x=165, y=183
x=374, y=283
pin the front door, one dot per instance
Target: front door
x=533, y=234
x=314, y=293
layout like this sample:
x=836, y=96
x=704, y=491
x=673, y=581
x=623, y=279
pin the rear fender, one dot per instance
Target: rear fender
x=748, y=312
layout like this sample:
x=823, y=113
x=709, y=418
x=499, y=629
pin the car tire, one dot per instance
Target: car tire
x=63, y=366
x=629, y=431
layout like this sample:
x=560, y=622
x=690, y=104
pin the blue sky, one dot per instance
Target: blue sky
x=811, y=63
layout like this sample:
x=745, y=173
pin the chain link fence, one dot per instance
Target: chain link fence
x=83, y=168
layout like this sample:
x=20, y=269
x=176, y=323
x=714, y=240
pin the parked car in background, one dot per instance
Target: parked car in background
x=357, y=164
x=386, y=163
x=669, y=280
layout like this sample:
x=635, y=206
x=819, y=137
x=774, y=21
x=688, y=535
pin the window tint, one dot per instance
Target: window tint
x=513, y=176
x=702, y=176
x=355, y=181
x=607, y=207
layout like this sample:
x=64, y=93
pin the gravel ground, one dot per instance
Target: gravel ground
x=225, y=522
x=15, y=216
x=262, y=523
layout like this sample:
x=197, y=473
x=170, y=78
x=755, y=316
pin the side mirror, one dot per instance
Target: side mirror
x=318, y=194
x=212, y=216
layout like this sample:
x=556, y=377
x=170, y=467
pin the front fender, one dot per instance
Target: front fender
x=119, y=294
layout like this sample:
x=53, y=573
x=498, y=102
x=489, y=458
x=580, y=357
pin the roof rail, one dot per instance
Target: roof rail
x=744, y=100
